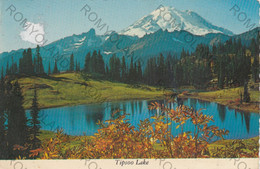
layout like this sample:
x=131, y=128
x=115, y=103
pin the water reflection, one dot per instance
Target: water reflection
x=76, y=120
x=193, y=104
x=246, y=118
x=95, y=114
x=222, y=112
x=179, y=101
x=203, y=103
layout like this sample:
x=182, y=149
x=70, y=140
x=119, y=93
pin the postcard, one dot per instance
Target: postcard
x=132, y=84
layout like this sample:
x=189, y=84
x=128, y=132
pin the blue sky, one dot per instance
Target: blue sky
x=62, y=18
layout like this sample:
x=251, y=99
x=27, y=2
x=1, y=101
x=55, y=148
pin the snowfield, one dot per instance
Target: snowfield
x=172, y=19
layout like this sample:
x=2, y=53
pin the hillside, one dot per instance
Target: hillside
x=71, y=89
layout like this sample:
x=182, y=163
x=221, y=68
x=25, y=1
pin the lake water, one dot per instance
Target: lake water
x=82, y=119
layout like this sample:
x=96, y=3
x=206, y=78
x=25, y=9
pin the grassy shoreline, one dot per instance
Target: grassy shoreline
x=228, y=97
x=70, y=89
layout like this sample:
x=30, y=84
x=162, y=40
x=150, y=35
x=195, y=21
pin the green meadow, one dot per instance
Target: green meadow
x=71, y=89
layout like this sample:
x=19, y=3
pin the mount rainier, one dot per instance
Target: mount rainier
x=172, y=19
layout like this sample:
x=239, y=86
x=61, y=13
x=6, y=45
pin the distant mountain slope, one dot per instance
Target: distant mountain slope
x=140, y=48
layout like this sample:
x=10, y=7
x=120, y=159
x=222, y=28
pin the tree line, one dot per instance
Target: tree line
x=29, y=65
x=231, y=63
x=116, y=69
x=235, y=62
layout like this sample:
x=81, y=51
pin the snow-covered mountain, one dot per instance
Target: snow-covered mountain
x=172, y=19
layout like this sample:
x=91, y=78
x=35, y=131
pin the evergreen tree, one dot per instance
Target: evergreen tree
x=35, y=65
x=243, y=67
x=183, y=53
x=15, y=68
x=100, y=64
x=77, y=66
x=107, y=72
x=246, y=93
x=115, y=67
x=94, y=62
x=72, y=62
x=7, y=71
x=35, y=123
x=169, y=74
x=55, y=70
x=221, y=71
x=26, y=65
x=2, y=73
x=135, y=73
x=17, y=122
x=178, y=74
x=214, y=49
x=39, y=69
x=131, y=76
x=123, y=70
x=29, y=69
x=139, y=72
x=161, y=70
x=49, y=69
x=12, y=67
x=255, y=69
x=87, y=65
x=255, y=65
x=3, y=143
x=37, y=60
x=22, y=63
x=112, y=67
